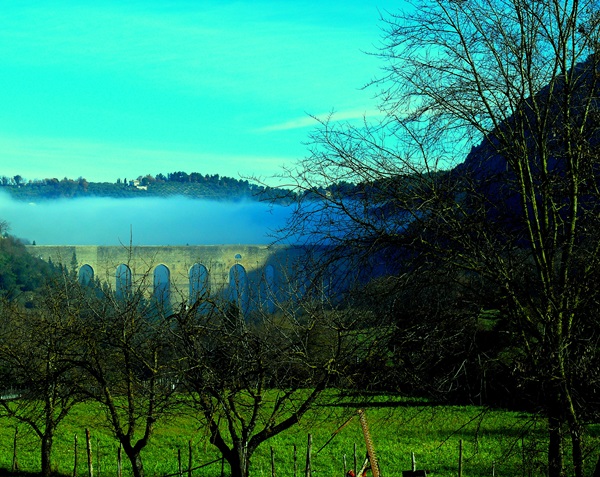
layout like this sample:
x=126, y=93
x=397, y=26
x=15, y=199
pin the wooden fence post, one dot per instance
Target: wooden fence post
x=98, y=466
x=119, y=461
x=460, y=457
x=295, y=461
x=89, y=453
x=190, y=460
x=308, y=456
x=75, y=457
x=15, y=461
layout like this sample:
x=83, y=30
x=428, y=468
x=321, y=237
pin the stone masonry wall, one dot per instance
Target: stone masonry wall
x=143, y=260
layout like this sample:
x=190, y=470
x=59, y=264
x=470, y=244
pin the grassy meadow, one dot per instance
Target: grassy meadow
x=498, y=443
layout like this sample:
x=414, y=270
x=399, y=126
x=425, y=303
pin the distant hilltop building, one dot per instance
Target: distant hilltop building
x=136, y=183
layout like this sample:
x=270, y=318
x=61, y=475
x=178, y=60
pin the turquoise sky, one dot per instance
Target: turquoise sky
x=109, y=90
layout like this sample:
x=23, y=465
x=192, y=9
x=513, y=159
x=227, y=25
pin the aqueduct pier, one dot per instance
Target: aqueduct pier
x=178, y=272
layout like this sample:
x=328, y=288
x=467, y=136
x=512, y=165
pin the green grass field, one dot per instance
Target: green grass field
x=494, y=442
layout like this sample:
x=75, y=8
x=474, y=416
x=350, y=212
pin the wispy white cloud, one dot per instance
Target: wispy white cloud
x=310, y=121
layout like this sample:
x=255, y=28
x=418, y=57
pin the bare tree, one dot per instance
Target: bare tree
x=126, y=358
x=40, y=382
x=519, y=80
x=253, y=375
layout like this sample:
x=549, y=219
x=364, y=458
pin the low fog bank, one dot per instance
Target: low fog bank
x=149, y=221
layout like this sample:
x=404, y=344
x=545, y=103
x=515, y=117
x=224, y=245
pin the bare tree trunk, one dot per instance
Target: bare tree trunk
x=236, y=467
x=555, y=448
x=135, y=458
x=576, y=431
x=238, y=460
x=576, y=444
x=47, y=453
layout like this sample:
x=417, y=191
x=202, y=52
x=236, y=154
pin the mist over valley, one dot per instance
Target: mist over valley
x=146, y=221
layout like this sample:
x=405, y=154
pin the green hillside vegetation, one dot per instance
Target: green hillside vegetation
x=193, y=185
x=20, y=272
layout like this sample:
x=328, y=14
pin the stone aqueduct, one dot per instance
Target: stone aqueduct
x=247, y=273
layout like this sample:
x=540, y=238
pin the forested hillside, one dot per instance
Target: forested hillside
x=19, y=270
x=194, y=185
